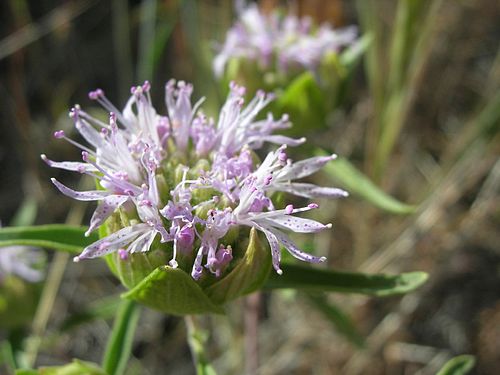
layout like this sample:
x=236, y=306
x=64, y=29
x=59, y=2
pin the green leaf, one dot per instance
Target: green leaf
x=351, y=179
x=104, y=308
x=120, y=342
x=77, y=367
x=338, y=318
x=18, y=301
x=459, y=365
x=248, y=276
x=54, y=236
x=313, y=279
x=352, y=54
x=303, y=100
x=172, y=291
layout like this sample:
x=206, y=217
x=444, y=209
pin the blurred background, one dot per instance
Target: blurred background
x=435, y=89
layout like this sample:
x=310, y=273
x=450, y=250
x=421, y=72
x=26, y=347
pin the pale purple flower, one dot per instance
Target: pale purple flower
x=221, y=186
x=288, y=41
x=21, y=261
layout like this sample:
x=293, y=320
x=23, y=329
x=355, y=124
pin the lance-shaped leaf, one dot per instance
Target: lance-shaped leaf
x=313, y=279
x=55, y=236
x=172, y=291
x=459, y=365
x=343, y=172
x=248, y=276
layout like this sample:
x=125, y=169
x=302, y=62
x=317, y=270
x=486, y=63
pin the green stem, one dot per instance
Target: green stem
x=45, y=305
x=49, y=294
x=120, y=342
x=196, y=340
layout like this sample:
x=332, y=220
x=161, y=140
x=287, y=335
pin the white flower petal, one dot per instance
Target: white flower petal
x=91, y=195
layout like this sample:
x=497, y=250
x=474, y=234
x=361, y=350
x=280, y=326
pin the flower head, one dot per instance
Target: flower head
x=275, y=42
x=186, y=183
x=21, y=261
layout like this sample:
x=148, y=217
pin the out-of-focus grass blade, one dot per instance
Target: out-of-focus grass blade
x=102, y=309
x=121, y=46
x=7, y=356
x=146, y=39
x=313, y=279
x=53, y=20
x=55, y=236
x=121, y=339
x=163, y=33
x=26, y=214
x=356, y=182
x=459, y=365
x=339, y=319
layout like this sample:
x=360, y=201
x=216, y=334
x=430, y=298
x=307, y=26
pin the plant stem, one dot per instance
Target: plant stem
x=120, y=342
x=49, y=294
x=196, y=340
x=252, y=307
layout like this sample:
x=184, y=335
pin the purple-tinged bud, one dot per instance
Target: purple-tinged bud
x=59, y=134
x=122, y=253
x=146, y=202
x=289, y=209
x=85, y=156
x=282, y=156
x=313, y=205
x=146, y=86
x=185, y=238
x=268, y=179
x=222, y=258
x=74, y=112
x=96, y=94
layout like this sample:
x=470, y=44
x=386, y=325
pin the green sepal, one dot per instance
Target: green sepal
x=248, y=276
x=133, y=270
x=172, y=291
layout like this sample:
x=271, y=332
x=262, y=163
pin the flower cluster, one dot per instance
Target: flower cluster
x=280, y=42
x=21, y=261
x=186, y=182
